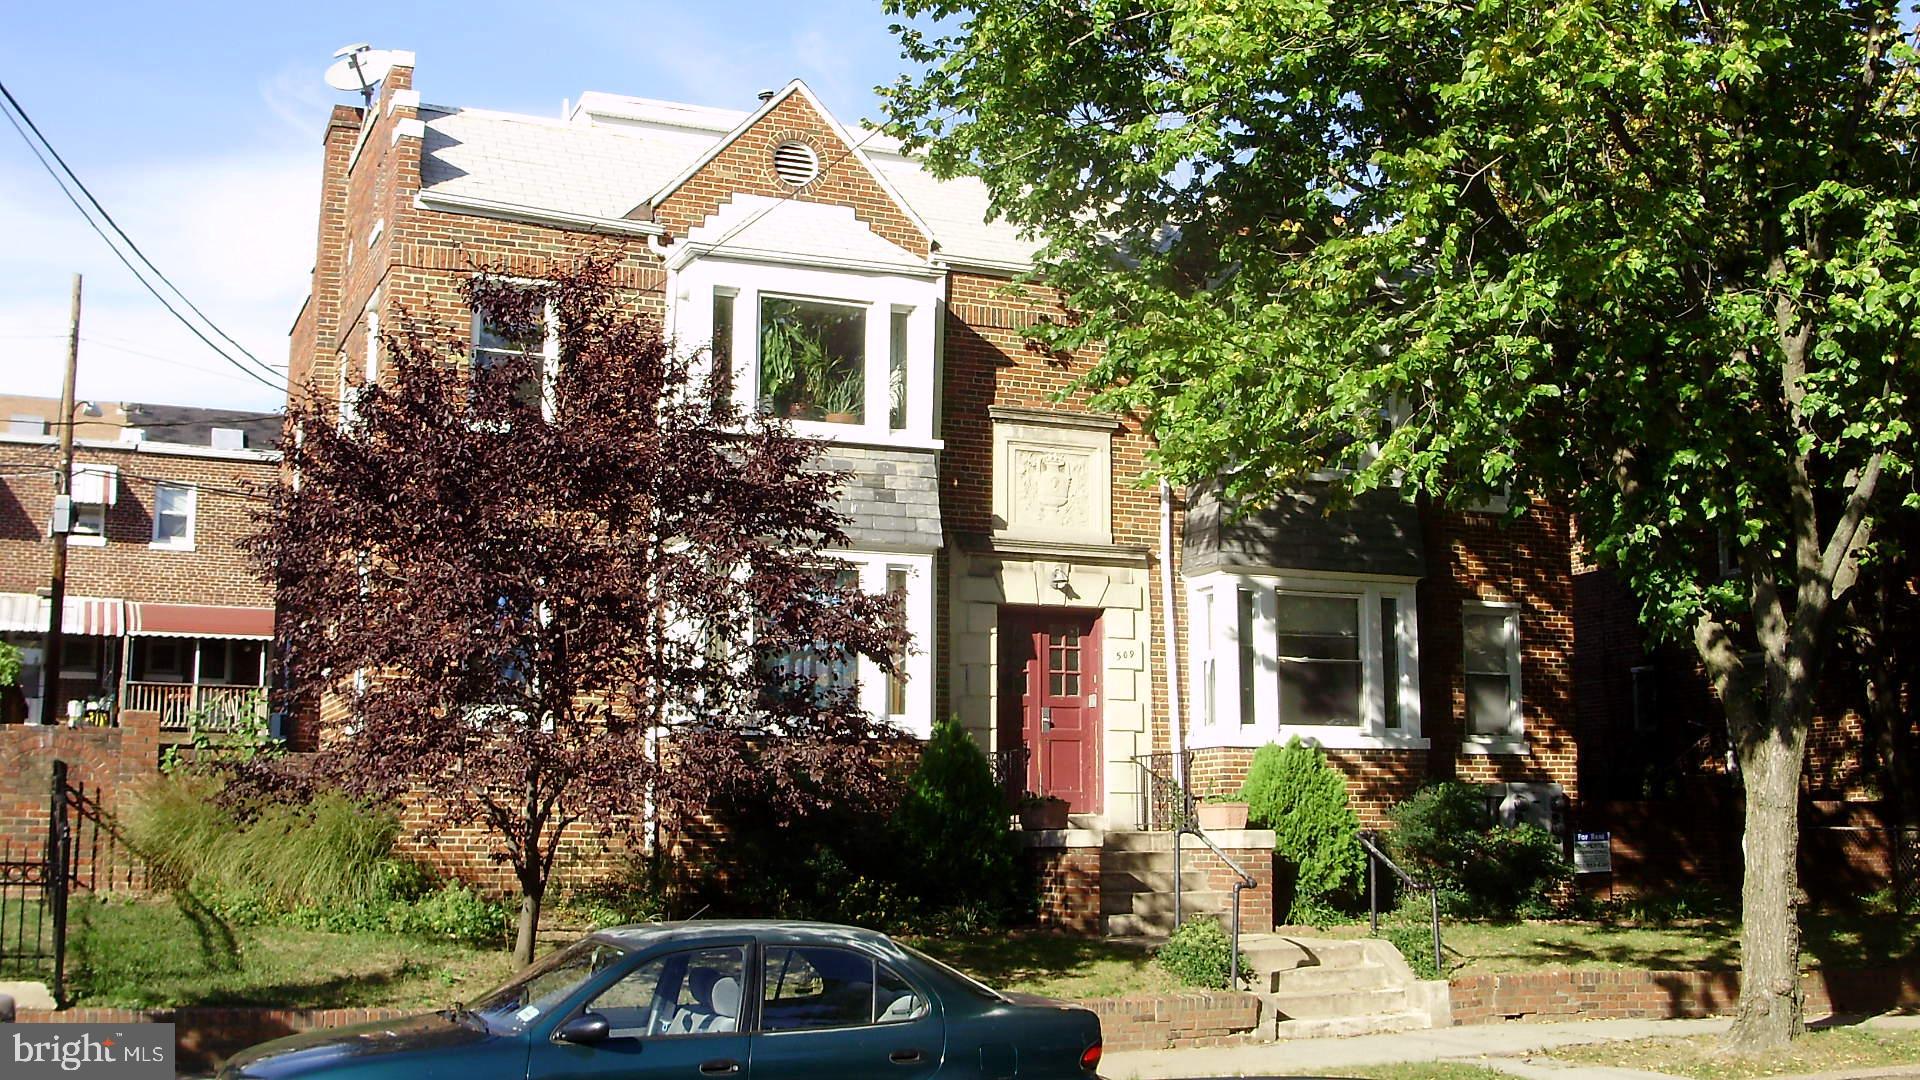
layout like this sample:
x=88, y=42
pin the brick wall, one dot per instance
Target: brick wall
x=1377, y=780
x=1634, y=995
x=1256, y=902
x=1175, y=1021
x=216, y=571
x=1069, y=887
x=103, y=761
x=745, y=166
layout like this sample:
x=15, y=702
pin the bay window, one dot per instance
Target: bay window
x=1332, y=660
x=840, y=354
x=906, y=699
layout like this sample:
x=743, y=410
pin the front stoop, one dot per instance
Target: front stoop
x=1315, y=987
x=1136, y=885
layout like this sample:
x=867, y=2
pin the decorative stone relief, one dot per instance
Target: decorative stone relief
x=1052, y=477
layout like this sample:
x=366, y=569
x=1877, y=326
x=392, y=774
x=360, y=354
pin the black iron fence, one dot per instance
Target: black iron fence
x=1166, y=802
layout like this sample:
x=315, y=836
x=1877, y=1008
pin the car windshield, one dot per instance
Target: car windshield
x=539, y=989
x=966, y=981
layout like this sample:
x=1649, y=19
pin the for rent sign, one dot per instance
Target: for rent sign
x=87, y=1051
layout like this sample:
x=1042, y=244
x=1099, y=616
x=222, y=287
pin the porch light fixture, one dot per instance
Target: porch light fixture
x=1059, y=580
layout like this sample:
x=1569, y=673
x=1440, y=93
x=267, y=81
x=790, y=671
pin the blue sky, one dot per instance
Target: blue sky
x=198, y=127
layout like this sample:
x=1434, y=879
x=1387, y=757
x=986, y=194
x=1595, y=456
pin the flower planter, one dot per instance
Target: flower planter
x=1044, y=814
x=842, y=418
x=1216, y=816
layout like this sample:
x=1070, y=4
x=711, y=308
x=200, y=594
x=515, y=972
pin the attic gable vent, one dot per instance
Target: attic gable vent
x=795, y=164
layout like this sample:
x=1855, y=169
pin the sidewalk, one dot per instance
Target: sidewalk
x=1497, y=1046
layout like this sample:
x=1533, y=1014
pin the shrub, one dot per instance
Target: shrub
x=953, y=824
x=1416, y=945
x=1199, y=954
x=1293, y=791
x=1445, y=835
x=636, y=893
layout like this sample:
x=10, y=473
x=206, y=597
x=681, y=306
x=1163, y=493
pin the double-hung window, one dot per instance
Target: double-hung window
x=93, y=489
x=173, y=513
x=1490, y=635
x=528, y=358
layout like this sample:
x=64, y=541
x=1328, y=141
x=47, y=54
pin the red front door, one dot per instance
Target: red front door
x=1050, y=701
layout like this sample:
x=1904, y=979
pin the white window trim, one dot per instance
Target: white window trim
x=1223, y=648
x=1515, y=742
x=690, y=319
x=193, y=518
x=549, y=349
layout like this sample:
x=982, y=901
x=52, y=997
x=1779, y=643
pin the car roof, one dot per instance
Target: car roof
x=641, y=935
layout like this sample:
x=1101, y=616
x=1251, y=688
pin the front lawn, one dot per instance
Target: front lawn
x=1419, y=1070
x=1053, y=965
x=1838, y=940
x=1828, y=1050
x=154, y=954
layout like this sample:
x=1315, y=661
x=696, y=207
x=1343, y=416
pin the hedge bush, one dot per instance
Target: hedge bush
x=1445, y=835
x=953, y=825
x=1199, y=954
x=1293, y=791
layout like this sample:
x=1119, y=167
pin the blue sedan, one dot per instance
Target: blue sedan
x=711, y=999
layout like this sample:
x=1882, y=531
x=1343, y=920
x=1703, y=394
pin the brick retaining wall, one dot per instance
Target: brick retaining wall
x=1162, y=1021
x=1655, y=995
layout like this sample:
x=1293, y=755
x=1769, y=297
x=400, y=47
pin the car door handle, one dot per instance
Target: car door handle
x=905, y=1057
x=720, y=1067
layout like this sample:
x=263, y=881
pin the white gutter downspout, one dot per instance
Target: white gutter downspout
x=1173, y=636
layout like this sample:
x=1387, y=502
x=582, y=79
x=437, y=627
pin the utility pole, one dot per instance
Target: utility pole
x=63, y=491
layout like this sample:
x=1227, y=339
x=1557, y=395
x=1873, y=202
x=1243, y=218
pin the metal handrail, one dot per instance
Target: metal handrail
x=1183, y=817
x=1375, y=858
x=1246, y=882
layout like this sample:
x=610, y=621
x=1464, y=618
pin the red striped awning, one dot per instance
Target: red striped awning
x=97, y=616
x=199, y=620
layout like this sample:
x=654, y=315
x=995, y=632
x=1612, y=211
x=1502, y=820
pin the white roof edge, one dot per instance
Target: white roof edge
x=996, y=266
x=672, y=113
x=688, y=250
x=720, y=144
x=143, y=447
x=428, y=199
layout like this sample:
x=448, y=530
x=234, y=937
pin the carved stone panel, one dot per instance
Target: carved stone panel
x=1052, y=481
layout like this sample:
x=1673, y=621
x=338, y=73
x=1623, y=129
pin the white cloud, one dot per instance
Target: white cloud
x=234, y=230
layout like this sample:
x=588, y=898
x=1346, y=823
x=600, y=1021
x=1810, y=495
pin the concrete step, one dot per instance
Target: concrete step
x=1373, y=1024
x=1159, y=924
x=1139, y=840
x=1113, y=879
x=1337, y=1004
x=1161, y=903
x=1313, y=980
x=1276, y=952
x=1137, y=862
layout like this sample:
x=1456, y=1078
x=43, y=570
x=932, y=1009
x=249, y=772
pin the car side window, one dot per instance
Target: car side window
x=696, y=992
x=813, y=988
x=894, y=999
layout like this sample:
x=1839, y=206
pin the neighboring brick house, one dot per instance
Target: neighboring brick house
x=1037, y=567
x=163, y=611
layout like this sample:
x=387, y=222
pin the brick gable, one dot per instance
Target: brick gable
x=745, y=167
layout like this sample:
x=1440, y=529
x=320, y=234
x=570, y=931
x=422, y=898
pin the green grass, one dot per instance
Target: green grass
x=154, y=954
x=1053, y=965
x=1828, y=1050
x=1838, y=940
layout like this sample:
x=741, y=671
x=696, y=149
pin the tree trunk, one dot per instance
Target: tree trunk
x=1771, y=1004
x=529, y=927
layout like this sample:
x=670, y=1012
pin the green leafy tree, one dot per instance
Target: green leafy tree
x=1654, y=259
x=1293, y=791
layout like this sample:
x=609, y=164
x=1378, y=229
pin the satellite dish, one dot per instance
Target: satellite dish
x=359, y=67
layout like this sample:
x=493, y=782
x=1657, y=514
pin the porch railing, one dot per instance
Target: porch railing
x=216, y=707
x=1010, y=772
x=1167, y=803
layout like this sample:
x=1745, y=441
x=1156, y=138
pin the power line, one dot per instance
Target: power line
x=74, y=179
